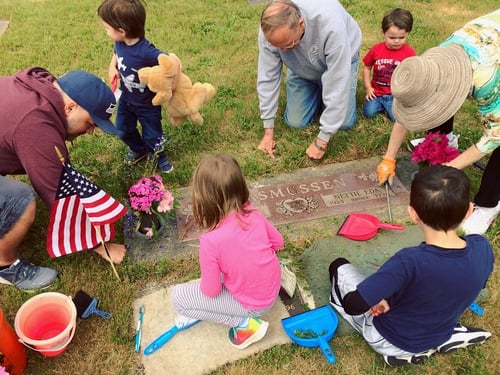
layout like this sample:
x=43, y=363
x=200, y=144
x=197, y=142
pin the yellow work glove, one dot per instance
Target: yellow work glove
x=386, y=170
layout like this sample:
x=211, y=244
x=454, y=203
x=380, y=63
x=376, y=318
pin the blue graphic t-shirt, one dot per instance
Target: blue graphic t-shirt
x=130, y=59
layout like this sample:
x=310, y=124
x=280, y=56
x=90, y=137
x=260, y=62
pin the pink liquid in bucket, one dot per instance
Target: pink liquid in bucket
x=46, y=323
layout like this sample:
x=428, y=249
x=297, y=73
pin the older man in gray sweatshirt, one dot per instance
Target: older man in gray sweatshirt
x=319, y=43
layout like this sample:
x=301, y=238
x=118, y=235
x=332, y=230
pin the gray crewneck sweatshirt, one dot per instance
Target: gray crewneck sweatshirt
x=331, y=40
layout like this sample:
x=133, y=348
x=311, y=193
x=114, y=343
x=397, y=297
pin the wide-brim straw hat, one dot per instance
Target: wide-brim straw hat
x=429, y=89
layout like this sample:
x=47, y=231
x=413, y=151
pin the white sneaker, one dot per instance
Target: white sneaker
x=462, y=337
x=480, y=220
x=415, y=142
x=453, y=139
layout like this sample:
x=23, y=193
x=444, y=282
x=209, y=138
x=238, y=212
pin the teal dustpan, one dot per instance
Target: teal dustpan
x=313, y=328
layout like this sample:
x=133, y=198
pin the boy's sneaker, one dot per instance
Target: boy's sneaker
x=415, y=359
x=462, y=337
x=134, y=158
x=414, y=143
x=164, y=164
x=452, y=141
x=26, y=276
x=242, y=337
x=480, y=220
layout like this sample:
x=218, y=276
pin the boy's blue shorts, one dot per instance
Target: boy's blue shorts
x=15, y=196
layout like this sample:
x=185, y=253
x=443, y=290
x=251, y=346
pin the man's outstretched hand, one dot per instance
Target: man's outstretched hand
x=267, y=144
x=386, y=170
x=317, y=149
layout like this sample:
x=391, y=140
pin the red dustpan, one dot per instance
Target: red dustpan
x=360, y=226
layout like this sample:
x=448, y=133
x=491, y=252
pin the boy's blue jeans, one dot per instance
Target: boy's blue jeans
x=149, y=117
x=303, y=99
x=380, y=104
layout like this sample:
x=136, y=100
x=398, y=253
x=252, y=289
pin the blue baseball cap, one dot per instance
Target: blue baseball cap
x=92, y=94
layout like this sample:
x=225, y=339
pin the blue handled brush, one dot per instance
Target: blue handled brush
x=86, y=305
x=165, y=337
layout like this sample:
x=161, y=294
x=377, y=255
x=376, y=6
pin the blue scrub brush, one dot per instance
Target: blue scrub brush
x=86, y=306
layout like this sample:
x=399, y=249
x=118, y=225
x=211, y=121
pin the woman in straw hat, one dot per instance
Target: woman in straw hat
x=429, y=89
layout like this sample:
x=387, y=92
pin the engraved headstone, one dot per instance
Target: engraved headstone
x=308, y=199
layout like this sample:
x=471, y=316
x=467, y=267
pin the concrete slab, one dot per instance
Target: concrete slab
x=201, y=348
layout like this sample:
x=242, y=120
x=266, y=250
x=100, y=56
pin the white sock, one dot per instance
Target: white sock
x=244, y=322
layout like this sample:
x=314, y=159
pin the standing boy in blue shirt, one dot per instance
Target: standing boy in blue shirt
x=124, y=22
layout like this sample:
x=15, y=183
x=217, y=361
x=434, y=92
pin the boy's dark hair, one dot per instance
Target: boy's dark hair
x=401, y=18
x=129, y=15
x=440, y=196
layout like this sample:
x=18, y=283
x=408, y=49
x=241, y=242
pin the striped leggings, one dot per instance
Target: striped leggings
x=189, y=301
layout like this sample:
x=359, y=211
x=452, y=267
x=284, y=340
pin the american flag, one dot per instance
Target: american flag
x=80, y=210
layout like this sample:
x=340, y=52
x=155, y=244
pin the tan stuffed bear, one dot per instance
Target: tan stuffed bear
x=185, y=101
x=159, y=79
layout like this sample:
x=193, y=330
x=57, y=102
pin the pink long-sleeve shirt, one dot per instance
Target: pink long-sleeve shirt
x=241, y=255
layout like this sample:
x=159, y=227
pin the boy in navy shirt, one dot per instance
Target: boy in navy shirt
x=124, y=22
x=409, y=309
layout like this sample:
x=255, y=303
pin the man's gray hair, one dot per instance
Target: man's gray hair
x=279, y=13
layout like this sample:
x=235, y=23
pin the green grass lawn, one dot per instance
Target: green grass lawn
x=217, y=43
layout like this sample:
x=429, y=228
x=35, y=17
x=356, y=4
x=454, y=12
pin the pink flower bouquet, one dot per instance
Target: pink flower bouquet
x=150, y=197
x=434, y=149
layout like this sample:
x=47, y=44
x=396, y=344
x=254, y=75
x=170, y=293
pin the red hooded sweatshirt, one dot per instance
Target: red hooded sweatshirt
x=32, y=122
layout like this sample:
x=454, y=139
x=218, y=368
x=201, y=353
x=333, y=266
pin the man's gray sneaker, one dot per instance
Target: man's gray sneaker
x=26, y=276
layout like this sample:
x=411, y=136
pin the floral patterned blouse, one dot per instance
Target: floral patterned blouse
x=480, y=38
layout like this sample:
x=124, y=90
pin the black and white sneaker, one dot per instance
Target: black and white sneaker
x=462, y=337
x=415, y=359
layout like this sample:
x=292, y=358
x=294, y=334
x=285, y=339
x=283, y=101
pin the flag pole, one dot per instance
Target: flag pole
x=101, y=240
x=107, y=253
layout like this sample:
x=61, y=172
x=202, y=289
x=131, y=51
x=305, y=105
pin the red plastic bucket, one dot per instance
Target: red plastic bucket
x=12, y=353
x=46, y=323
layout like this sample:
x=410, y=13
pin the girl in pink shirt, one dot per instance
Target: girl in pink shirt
x=240, y=272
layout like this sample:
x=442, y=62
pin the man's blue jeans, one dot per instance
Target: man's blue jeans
x=15, y=196
x=380, y=104
x=303, y=99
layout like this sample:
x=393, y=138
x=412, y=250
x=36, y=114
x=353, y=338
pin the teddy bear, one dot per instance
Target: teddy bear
x=182, y=103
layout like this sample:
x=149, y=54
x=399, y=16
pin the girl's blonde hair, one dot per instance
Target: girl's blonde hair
x=218, y=188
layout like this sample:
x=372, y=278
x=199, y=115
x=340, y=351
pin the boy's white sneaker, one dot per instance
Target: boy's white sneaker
x=452, y=140
x=480, y=220
x=463, y=337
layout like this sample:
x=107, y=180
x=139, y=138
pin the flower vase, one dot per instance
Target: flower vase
x=155, y=221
